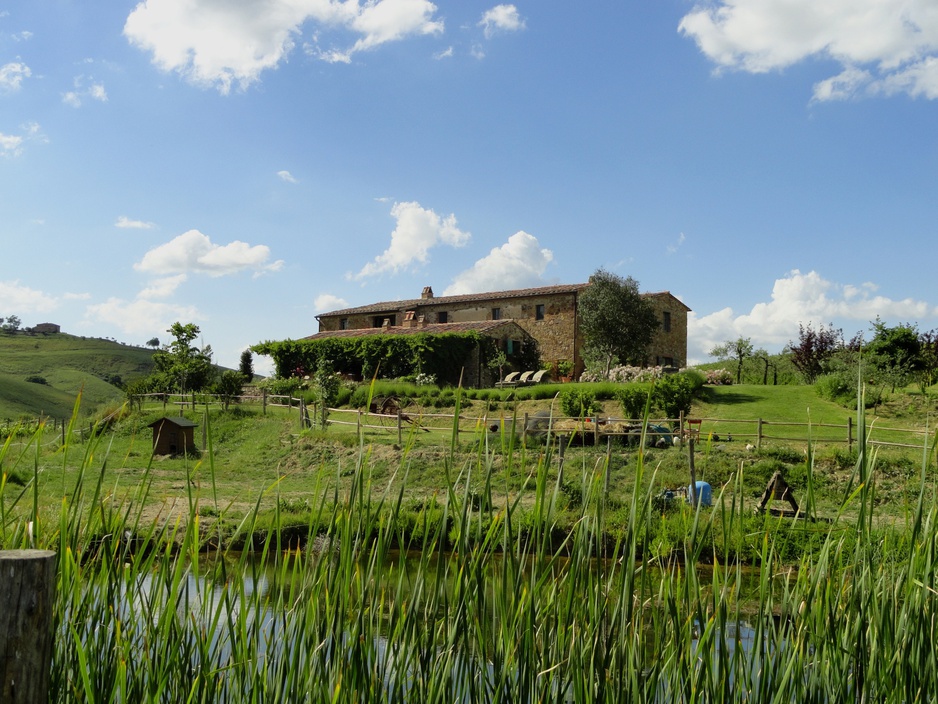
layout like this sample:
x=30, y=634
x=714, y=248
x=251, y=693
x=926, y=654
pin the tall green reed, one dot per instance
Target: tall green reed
x=495, y=602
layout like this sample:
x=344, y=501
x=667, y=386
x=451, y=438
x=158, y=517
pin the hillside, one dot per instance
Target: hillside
x=68, y=364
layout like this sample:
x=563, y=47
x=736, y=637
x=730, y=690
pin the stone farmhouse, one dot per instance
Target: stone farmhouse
x=548, y=314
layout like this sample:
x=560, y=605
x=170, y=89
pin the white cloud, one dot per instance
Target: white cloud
x=141, y=316
x=883, y=46
x=16, y=299
x=221, y=44
x=162, y=287
x=95, y=91
x=286, y=176
x=519, y=263
x=193, y=252
x=800, y=298
x=12, y=75
x=418, y=231
x=672, y=248
x=445, y=54
x=501, y=18
x=326, y=302
x=10, y=144
x=126, y=223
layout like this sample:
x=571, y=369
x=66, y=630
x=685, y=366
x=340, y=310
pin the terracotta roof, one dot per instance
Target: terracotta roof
x=389, y=306
x=482, y=326
x=669, y=295
x=416, y=303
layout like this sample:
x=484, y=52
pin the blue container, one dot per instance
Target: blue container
x=703, y=494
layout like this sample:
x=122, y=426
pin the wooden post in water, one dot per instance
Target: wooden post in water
x=27, y=595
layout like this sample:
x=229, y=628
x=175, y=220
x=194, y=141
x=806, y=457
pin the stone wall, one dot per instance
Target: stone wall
x=668, y=347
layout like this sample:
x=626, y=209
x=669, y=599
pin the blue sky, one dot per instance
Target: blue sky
x=247, y=165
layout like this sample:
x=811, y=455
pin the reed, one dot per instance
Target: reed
x=494, y=601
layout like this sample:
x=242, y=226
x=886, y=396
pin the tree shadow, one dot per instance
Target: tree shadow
x=709, y=395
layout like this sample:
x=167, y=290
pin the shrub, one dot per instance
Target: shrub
x=633, y=399
x=578, y=403
x=674, y=394
x=838, y=388
x=36, y=379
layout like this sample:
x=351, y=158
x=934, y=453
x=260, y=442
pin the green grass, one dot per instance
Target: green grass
x=69, y=364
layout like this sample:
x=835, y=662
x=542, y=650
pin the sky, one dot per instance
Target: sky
x=245, y=166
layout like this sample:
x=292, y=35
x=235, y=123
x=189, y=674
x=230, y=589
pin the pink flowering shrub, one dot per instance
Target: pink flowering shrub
x=719, y=377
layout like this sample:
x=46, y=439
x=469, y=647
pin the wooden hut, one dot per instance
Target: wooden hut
x=173, y=435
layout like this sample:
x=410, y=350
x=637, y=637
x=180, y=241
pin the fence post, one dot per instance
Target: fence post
x=400, y=437
x=27, y=596
x=759, y=434
x=849, y=433
x=264, y=400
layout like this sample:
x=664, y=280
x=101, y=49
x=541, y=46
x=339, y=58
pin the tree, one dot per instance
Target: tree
x=895, y=352
x=153, y=342
x=618, y=324
x=767, y=361
x=11, y=325
x=183, y=366
x=814, y=350
x=228, y=387
x=739, y=349
x=247, y=366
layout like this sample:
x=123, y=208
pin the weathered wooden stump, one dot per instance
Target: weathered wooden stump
x=27, y=597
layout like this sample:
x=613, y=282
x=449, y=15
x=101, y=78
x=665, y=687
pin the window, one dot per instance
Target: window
x=343, y=324
x=539, y=311
x=509, y=347
x=496, y=313
x=442, y=317
x=666, y=323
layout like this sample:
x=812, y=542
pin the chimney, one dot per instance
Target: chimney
x=386, y=324
x=410, y=319
x=427, y=292
x=422, y=321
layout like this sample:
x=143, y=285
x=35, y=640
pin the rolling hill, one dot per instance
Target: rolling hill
x=66, y=364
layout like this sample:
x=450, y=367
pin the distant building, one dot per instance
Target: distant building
x=173, y=435
x=548, y=314
x=47, y=327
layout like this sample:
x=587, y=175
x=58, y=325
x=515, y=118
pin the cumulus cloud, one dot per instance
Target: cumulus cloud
x=418, y=231
x=883, y=46
x=286, y=176
x=12, y=75
x=162, y=287
x=141, y=316
x=192, y=252
x=223, y=44
x=519, y=263
x=501, y=18
x=16, y=299
x=326, y=302
x=800, y=298
x=126, y=223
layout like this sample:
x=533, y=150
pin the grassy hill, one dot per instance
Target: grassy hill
x=68, y=364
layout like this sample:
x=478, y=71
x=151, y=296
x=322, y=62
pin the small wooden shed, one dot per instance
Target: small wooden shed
x=173, y=435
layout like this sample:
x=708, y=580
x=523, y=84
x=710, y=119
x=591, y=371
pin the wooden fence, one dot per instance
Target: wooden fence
x=755, y=431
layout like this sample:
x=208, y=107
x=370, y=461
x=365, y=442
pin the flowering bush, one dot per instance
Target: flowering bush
x=424, y=379
x=719, y=377
x=624, y=374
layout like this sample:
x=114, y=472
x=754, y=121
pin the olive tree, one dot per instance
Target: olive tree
x=618, y=324
x=739, y=350
x=181, y=365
